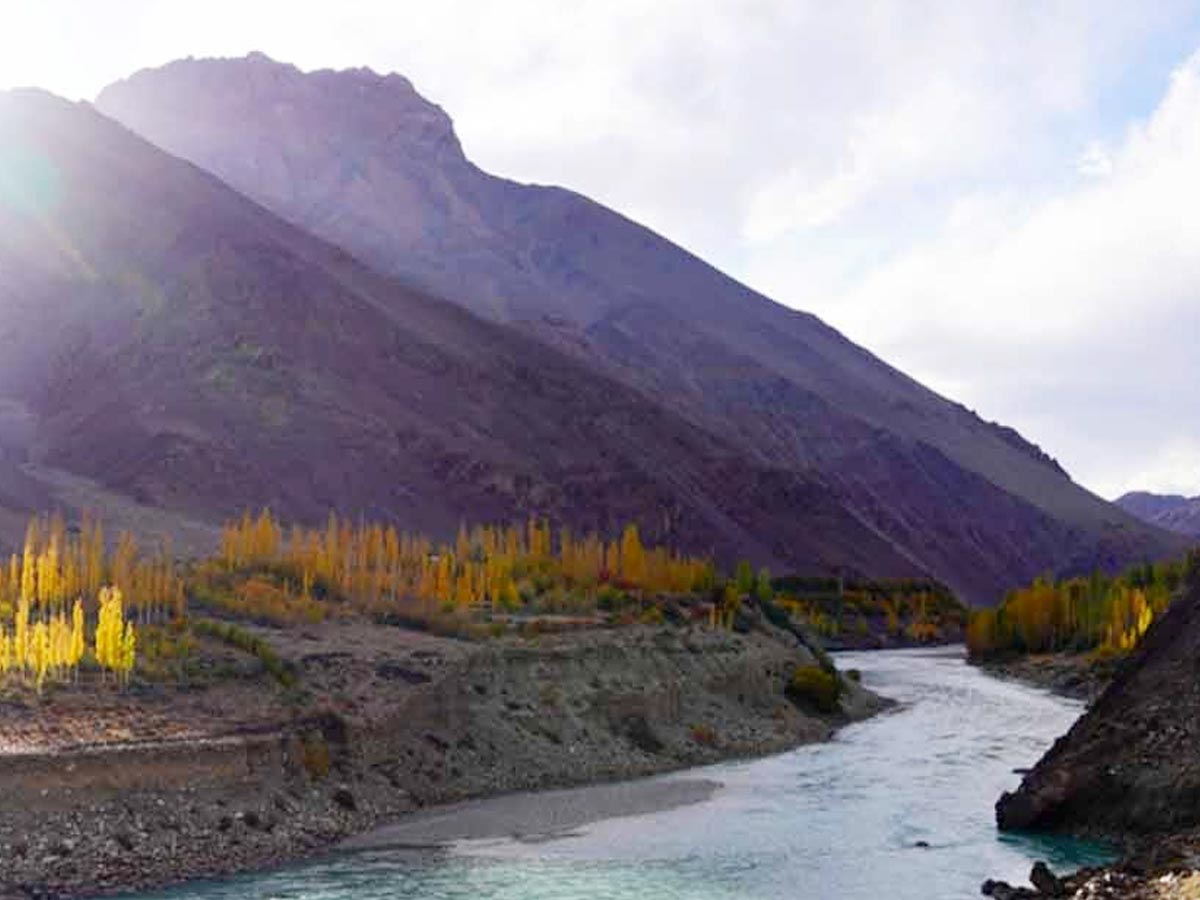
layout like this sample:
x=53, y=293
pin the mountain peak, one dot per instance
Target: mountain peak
x=355, y=114
x=1173, y=512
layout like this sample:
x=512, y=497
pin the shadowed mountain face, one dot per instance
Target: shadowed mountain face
x=178, y=345
x=364, y=162
x=1169, y=511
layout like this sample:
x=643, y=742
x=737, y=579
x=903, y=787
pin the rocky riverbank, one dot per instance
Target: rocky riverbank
x=1129, y=769
x=385, y=722
x=1124, y=882
x=1080, y=676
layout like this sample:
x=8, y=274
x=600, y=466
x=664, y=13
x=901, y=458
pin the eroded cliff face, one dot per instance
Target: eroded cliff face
x=613, y=705
x=1131, y=765
x=388, y=722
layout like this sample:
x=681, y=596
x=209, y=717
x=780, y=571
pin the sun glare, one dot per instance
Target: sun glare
x=42, y=47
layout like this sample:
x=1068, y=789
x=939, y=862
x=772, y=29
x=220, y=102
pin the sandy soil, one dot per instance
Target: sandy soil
x=534, y=814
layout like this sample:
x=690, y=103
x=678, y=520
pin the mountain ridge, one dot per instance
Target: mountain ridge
x=185, y=348
x=1173, y=512
x=365, y=162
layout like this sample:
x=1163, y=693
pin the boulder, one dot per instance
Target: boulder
x=1047, y=883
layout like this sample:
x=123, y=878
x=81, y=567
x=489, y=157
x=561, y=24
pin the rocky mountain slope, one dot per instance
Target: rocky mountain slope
x=1170, y=511
x=181, y=348
x=364, y=161
x=1129, y=766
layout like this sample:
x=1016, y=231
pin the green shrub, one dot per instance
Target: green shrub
x=776, y=614
x=243, y=640
x=814, y=688
x=824, y=660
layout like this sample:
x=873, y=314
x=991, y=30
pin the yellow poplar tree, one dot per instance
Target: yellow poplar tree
x=633, y=557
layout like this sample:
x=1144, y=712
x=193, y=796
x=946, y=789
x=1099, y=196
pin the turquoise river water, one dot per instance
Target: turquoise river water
x=836, y=820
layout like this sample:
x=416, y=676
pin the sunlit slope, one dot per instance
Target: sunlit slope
x=183, y=347
x=366, y=162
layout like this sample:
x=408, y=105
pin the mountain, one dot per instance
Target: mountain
x=1170, y=511
x=171, y=346
x=365, y=162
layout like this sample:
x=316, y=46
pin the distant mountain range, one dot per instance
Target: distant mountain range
x=1171, y=511
x=348, y=314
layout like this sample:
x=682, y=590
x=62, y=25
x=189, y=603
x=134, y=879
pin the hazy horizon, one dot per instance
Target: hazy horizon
x=992, y=200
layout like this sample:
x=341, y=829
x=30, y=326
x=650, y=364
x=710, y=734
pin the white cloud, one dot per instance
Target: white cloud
x=1095, y=161
x=958, y=185
x=1077, y=318
x=1171, y=469
x=789, y=202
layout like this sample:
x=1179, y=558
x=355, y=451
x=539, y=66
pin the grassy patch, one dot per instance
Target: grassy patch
x=243, y=640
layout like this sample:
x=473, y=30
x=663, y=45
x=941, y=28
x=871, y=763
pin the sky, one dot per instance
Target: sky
x=996, y=197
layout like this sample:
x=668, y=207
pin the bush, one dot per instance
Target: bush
x=704, y=735
x=814, y=688
x=264, y=595
x=652, y=615
x=824, y=660
x=776, y=614
x=316, y=757
x=165, y=651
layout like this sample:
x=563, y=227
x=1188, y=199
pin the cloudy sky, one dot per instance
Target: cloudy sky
x=997, y=197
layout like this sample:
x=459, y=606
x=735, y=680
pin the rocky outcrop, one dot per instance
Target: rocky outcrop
x=1094, y=884
x=1130, y=767
x=435, y=721
x=1131, y=881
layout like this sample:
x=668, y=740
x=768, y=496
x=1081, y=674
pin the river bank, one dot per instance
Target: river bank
x=388, y=722
x=1126, y=881
x=1079, y=676
x=897, y=806
x=1128, y=769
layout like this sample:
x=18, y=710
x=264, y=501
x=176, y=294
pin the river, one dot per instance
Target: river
x=838, y=820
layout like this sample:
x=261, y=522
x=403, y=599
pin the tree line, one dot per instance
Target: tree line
x=500, y=567
x=918, y=610
x=1099, y=612
x=74, y=600
x=64, y=601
